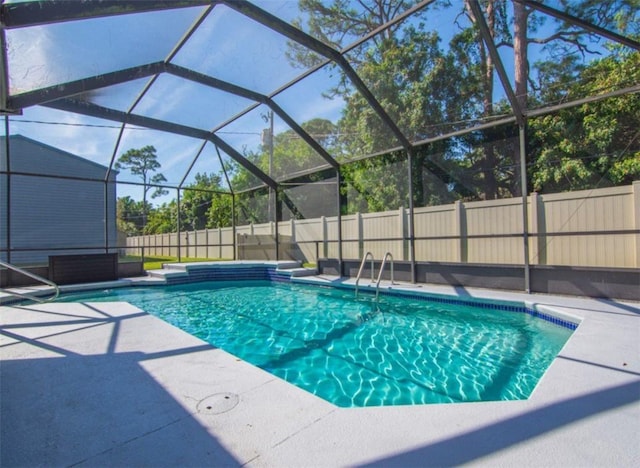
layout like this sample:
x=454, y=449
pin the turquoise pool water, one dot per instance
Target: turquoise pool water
x=357, y=353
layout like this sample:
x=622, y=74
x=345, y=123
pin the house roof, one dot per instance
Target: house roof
x=14, y=139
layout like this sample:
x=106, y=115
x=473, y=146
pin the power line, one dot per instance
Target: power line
x=70, y=124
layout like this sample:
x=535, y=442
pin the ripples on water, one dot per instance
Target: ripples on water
x=356, y=352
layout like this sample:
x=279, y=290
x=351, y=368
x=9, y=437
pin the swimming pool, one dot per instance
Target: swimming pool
x=358, y=352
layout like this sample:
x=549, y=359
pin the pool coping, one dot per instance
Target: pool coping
x=585, y=410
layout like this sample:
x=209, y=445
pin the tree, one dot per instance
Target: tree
x=129, y=216
x=144, y=163
x=162, y=219
x=480, y=63
x=430, y=89
x=339, y=21
x=291, y=155
x=567, y=39
x=565, y=44
x=426, y=90
x=204, y=203
x=220, y=213
x=196, y=200
x=594, y=144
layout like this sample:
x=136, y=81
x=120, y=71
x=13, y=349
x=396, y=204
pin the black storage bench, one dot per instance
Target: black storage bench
x=83, y=268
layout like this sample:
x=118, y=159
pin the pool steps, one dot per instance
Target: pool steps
x=237, y=270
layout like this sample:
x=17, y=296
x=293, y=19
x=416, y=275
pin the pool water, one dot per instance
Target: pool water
x=356, y=352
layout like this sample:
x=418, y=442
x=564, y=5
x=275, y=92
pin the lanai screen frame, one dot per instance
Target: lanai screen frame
x=61, y=96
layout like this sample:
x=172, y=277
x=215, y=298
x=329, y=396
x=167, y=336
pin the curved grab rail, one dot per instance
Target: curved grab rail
x=364, y=260
x=32, y=276
x=384, y=261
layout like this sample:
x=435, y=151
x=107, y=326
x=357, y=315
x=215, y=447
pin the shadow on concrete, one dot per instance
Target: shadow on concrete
x=486, y=440
x=96, y=410
x=602, y=366
x=622, y=306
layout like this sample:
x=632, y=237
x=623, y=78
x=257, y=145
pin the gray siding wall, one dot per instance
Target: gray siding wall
x=33, y=157
x=49, y=213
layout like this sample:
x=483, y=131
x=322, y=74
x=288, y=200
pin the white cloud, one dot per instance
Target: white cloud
x=321, y=107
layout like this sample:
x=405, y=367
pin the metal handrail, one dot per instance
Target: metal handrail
x=32, y=276
x=384, y=261
x=364, y=260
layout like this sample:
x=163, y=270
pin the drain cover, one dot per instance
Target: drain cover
x=218, y=403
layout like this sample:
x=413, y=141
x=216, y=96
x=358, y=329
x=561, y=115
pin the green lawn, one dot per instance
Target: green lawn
x=155, y=263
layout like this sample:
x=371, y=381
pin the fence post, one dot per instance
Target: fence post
x=194, y=244
x=537, y=229
x=164, y=249
x=325, y=250
x=403, y=231
x=206, y=243
x=293, y=230
x=360, y=234
x=636, y=214
x=460, y=230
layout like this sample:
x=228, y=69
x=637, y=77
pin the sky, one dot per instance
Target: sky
x=227, y=46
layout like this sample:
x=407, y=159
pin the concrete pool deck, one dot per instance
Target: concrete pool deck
x=106, y=384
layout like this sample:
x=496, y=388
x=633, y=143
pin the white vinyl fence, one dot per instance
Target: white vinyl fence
x=586, y=228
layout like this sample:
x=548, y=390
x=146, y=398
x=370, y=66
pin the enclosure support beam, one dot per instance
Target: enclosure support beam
x=587, y=100
x=209, y=81
x=84, y=85
x=233, y=226
x=193, y=161
x=92, y=110
x=583, y=24
x=340, y=204
x=183, y=40
x=294, y=34
x=4, y=75
x=265, y=18
x=7, y=221
x=302, y=133
x=16, y=15
x=373, y=102
x=525, y=211
x=412, y=237
x=105, y=213
x=278, y=216
x=497, y=61
x=178, y=226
